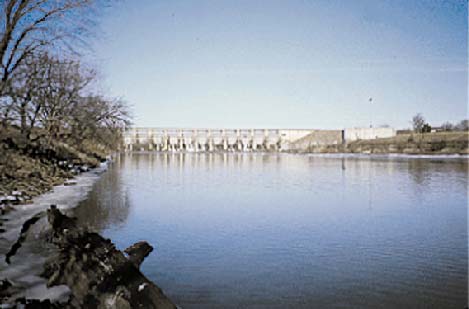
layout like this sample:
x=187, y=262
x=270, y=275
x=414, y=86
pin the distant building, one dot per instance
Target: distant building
x=354, y=134
x=437, y=129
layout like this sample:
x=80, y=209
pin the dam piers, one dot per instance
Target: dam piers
x=244, y=140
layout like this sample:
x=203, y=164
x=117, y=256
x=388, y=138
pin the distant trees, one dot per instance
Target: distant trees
x=447, y=126
x=463, y=125
x=426, y=128
x=421, y=126
x=418, y=123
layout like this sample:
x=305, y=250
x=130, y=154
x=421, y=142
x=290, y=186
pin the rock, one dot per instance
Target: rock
x=16, y=193
x=97, y=274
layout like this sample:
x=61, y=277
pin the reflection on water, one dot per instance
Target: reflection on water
x=275, y=231
x=107, y=205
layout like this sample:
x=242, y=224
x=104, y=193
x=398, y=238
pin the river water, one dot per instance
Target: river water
x=280, y=230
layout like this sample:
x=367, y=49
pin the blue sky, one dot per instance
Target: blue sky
x=286, y=64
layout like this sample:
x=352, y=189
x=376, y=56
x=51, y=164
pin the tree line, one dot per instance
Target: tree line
x=420, y=125
x=45, y=89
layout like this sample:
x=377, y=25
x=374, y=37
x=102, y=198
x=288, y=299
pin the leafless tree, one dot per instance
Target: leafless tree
x=447, y=126
x=463, y=125
x=23, y=91
x=418, y=122
x=100, y=119
x=30, y=26
x=42, y=88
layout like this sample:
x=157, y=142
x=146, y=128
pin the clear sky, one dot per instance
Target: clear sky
x=287, y=64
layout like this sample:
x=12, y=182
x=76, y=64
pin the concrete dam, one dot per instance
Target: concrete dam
x=194, y=140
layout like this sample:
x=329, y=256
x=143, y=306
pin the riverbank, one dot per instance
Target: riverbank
x=35, y=173
x=438, y=143
x=30, y=166
x=85, y=271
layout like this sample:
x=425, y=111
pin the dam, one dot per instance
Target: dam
x=242, y=140
x=195, y=140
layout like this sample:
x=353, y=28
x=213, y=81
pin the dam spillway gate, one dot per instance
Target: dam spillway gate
x=195, y=140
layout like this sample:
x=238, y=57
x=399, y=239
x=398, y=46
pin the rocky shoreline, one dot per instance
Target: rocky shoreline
x=79, y=268
x=29, y=168
x=96, y=273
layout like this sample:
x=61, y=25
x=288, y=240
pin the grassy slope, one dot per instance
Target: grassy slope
x=428, y=143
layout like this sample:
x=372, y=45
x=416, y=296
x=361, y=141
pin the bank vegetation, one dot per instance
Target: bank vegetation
x=54, y=122
x=414, y=143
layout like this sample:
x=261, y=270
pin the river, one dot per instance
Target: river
x=281, y=230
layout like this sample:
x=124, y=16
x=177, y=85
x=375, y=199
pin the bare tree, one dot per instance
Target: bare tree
x=100, y=119
x=418, y=122
x=41, y=89
x=463, y=125
x=23, y=90
x=29, y=26
x=64, y=89
x=447, y=126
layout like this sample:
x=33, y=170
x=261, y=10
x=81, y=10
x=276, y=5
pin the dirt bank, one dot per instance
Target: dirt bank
x=30, y=166
x=83, y=269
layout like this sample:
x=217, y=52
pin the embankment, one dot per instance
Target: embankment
x=428, y=143
x=30, y=166
x=55, y=263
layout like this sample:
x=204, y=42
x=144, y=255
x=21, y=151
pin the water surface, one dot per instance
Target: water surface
x=279, y=230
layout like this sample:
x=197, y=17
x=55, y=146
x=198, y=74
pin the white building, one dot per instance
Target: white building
x=354, y=134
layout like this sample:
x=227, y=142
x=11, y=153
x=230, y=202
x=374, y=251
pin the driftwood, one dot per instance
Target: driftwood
x=138, y=252
x=99, y=275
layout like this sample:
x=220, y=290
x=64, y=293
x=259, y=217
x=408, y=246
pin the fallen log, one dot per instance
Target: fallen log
x=99, y=275
x=138, y=252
